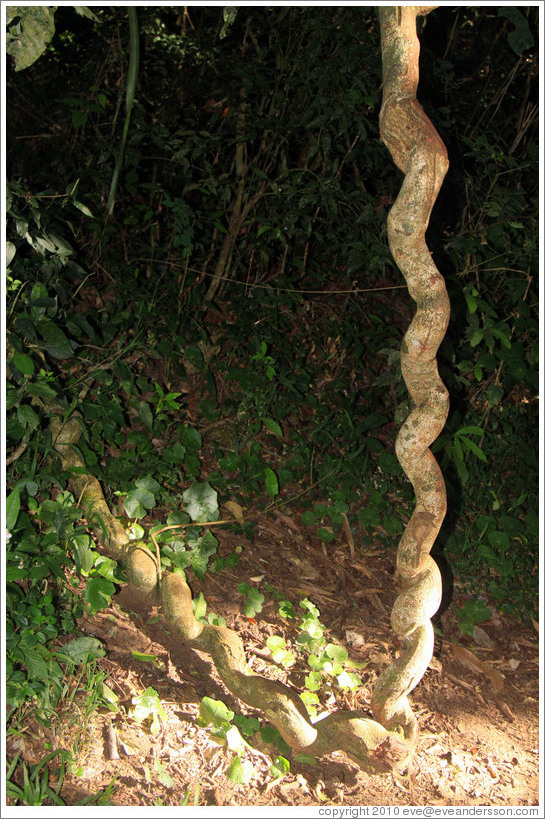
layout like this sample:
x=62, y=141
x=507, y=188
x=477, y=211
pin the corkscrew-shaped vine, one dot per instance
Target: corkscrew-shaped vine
x=417, y=149
x=387, y=742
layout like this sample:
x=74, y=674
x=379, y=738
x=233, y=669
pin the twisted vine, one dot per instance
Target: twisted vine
x=388, y=741
x=365, y=741
x=418, y=151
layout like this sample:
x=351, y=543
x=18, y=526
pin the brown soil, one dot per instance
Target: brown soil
x=477, y=705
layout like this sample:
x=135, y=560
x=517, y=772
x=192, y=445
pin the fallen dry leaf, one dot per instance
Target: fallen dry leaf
x=468, y=659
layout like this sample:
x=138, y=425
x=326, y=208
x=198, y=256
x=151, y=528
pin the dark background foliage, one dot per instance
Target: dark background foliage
x=238, y=317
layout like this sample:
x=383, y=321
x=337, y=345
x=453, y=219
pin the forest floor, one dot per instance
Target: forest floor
x=477, y=706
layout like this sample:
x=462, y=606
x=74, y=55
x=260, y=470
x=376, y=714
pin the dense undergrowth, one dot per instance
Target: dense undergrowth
x=236, y=322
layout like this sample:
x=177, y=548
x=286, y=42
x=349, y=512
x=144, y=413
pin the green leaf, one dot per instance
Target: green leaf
x=35, y=663
x=470, y=299
x=148, y=706
x=145, y=413
x=192, y=439
x=271, y=483
x=286, y=610
x=29, y=37
x=273, y=426
x=98, y=593
x=201, y=553
x=56, y=342
x=247, y=725
x=81, y=650
x=234, y=740
x=314, y=680
x=254, y=604
x=10, y=253
x=476, y=337
x=145, y=658
x=27, y=417
x=280, y=767
x=83, y=208
x=336, y=652
x=276, y=642
x=213, y=712
x=240, y=771
x=499, y=540
x=201, y=502
x=472, y=447
x=40, y=390
x=521, y=38
x=305, y=759
x=13, y=505
x=137, y=501
x=162, y=775
x=110, y=697
x=149, y=484
x=347, y=681
x=471, y=430
x=83, y=554
x=199, y=607
x=24, y=363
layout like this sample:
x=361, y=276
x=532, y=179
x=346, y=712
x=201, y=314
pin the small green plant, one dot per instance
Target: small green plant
x=472, y=612
x=255, y=599
x=280, y=652
x=35, y=789
x=147, y=710
x=216, y=714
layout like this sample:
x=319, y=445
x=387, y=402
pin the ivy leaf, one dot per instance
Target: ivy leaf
x=348, y=681
x=98, y=593
x=280, y=767
x=202, y=552
x=240, y=771
x=137, y=501
x=337, y=653
x=213, y=711
x=150, y=484
x=201, y=502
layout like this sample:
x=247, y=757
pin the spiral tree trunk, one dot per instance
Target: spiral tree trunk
x=388, y=741
x=417, y=149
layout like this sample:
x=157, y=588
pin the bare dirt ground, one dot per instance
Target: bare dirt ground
x=477, y=706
